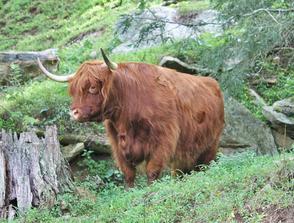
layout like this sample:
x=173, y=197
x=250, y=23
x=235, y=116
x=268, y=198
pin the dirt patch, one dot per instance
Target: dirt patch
x=188, y=16
x=31, y=32
x=271, y=213
x=2, y=23
x=274, y=214
x=34, y=10
x=90, y=33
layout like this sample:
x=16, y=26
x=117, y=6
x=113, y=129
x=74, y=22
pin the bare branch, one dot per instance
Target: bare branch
x=258, y=100
x=284, y=48
x=269, y=10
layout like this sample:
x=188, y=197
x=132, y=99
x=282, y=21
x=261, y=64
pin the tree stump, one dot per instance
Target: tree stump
x=32, y=171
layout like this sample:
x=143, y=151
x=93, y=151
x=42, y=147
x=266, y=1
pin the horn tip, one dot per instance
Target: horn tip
x=103, y=53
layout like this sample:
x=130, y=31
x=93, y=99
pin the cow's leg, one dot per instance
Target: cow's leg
x=129, y=173
x=153, y=168
x=157, y=162
x=207, y=156
x=163, y=152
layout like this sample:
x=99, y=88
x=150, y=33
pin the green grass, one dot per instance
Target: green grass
x=38, y=104
x=37, y=25
x=233, y=186
x=284, y=86
x=186, y=7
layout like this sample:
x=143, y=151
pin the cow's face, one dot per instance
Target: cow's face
x=89, y=90
x=88, y=87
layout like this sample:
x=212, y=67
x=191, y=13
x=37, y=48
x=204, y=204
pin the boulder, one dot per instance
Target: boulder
x=170, y=2
x=72, y=151
x=97, y=142
x=176, y=64
x=282, y=140
x=279, y=121
x=160, y=24
x=285, y=106
x=245, y=132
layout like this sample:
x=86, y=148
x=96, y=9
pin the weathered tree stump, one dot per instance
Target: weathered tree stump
x=32, y=171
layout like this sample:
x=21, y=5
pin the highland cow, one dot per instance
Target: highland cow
x=151, y=114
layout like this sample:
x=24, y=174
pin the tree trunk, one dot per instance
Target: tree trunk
x=32, y=171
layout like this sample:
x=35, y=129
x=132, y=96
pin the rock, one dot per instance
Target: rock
x=279, y=121
x=98, y=142
x=160, y=24
x=285, y=106
x=93, y=55
x=175, y=63
x=282, y=140
x=244, y=132
x=170, y=2
x=72, y=151
x=232, y=62
x=258, y=100
x=97, y=181
x=84, y=193
x=25, y=63
x=4, y=69
x=268, y=81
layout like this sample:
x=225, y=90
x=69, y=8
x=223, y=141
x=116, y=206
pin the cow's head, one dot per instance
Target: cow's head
x=88, y=87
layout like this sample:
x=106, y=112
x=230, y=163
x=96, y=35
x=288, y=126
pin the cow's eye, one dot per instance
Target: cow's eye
x=92, y=90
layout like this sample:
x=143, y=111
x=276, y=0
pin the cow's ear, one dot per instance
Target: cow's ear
x=111, y=65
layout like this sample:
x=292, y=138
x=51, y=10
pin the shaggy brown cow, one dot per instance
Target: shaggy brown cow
x=151, y=114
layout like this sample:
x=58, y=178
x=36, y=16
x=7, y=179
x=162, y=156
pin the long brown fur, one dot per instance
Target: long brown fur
x=152, y=114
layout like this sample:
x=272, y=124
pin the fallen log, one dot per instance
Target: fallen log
x=25, y=63
x=96, y=142
x=32, y=171
x=176, y=64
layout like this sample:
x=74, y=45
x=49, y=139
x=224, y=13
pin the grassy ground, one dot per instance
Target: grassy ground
x=36, y=25
x=242, y=188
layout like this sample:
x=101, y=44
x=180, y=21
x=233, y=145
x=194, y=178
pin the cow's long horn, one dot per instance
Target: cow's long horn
x=111, y=65
x=53, y=76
